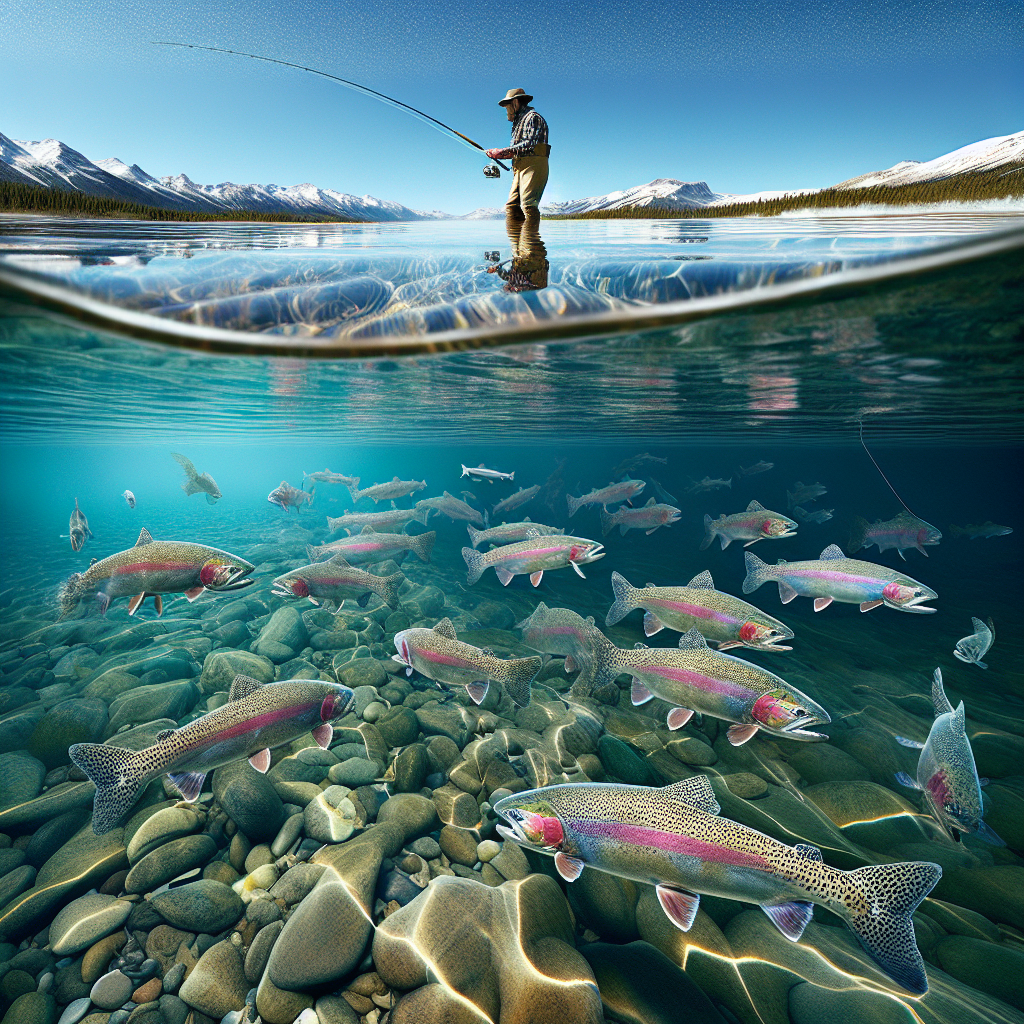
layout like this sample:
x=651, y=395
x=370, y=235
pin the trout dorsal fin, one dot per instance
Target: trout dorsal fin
x=164, y=734
x=242, y=686
x=756, y=506
x=338, y=559
x=695, y=792
x=650, y=502
x=702, y=581
x=831, y=552
x=145, y=537
x=367, y=529
x=808, y=852
x=445, y=628
x=692, y=641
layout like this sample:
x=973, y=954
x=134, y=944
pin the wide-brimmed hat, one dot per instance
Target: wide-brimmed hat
x=515, y=94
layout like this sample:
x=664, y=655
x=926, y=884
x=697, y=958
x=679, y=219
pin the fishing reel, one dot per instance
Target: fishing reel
x=492, y=171
x=493, y=257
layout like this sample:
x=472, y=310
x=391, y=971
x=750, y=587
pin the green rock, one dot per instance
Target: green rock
x=32, y=1008
x=411, y=766
x=606, y=904
x=693, y=751
x=168, y=861
x=995, y=892
x=216, y=985
x=993, y=968
x=622, y=763
x=814, y=1004
x=145, y=703
x=110, y=684
x=398, y=726
x=72, y=721
x=413, y=813
x=23, y=778
x=454, y=807
x=203, y=906
x=746, y=785
x=221, y=667
x=960, y=920
x=164, y=826
x=458, y=845
x=823, y=762
x=249, y=799
x=86, y=920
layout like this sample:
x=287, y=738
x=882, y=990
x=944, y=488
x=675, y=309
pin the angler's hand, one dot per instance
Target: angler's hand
x=492, y=154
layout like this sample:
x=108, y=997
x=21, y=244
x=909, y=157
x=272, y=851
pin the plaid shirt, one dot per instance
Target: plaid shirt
x=529, y=129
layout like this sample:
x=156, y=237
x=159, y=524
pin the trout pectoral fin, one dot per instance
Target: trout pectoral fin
x=193, y=592
x=536, y=577
x=739, y=734
x=821, y=603
x=652, y=624
x=679, y=904
x=504, y=576
x=790, y=918
x=159, y=602
x=640, y=694
x=261, y=760
x=188, y=784
x=786, y=592
x=570, y=868
x=323, y=734
x=134, y=602
x=477, y=691
x=678, y=717
x=579, y=571
x=867, y=606
x=905, y=780
x=725, y=645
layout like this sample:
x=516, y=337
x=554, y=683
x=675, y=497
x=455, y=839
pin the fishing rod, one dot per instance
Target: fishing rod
x=490, y=171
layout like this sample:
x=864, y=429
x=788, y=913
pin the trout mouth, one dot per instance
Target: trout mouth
x=790, y=715
x=224, y=576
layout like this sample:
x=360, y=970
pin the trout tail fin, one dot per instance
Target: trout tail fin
x=574, y=504
x=709, y=533
x=353, y=489
x=758, y=572
x=474, y=533
x=858, y=533
x=516, y=676
x=474, y=563
x=389, y=588
x=119, y=776
x=424, y=544
x=884, y=928
x=70, y=594
x=607, y=523
x=313, y=553
x=623, y=603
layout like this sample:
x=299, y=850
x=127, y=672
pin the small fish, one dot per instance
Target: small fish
x=663, y=495
x=985, y=530
x=627, y=466
x=974, y=647
x=335, y=580
x=613, y=494
x=802, y=493
x=155, y=567
x=720, y=617
x=551, y=492
x=490, y=475
x=392, y=517
x=514, y=501
x=394, y=488
x=327, y=477
x=370, y=546
x=756, y=523
x=533, y=556
x=757, y=467
x=674, y=839
x=946, y=773
x=440, y=656
x=453, y=508
x=285, y=496
x=834, y=577
x=563, y=632
x=255, y=719
x=648, y=517
x=822, y=515
x=509, y=533
x=78, y=528
x=130, y=498
x=707, y=484
x=901, y=532
x=197, y=483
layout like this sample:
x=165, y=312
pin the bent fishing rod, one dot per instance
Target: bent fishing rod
x=490, y=171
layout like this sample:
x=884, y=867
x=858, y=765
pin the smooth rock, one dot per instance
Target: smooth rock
x=217, y=984
x=290, y=831
x=458, y=845
x=220, y=668
x=398, y=726
x=997, y=969
x=622, y=762
x=249, y=799
x=410, y=768
x=98, y=956
x=354, y=772
x=693, y=751
x=297, y=882
x=111, y=990
x=511, y=861
x=165, y=825
x=75, y=1011
x=23, y=778
x=258, y=953
x=85, y=920
x=331, y=817
x=455, y=807
x=169, y=861
x=279, y=1006
x=746, y=785
x=415, y=814
x=32, y=1008
x=203, y=906
x=81, y=720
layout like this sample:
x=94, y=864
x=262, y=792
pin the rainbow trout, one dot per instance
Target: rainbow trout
x=834, y=577
x=394, y=488
x=728, y=620
x=564, y=632
x=754, y=524
x=648, y=517
x=946, y=773
x=674, y=839
x=195, y=482
x=697, y=679
x=78, y=528
x=155, y=567
x=325, y=476
x=255, y=719
x=901, y=532
x=370, y=546
x=971, y=649
x=613, y=494
x=285, y=496
x=481, y=472
x=509, y=533
x=395, y=518
x=514, y=501
x=985, y=530
x=454, y=508
x=533, y=556
x=334, y=580
x=440, y=656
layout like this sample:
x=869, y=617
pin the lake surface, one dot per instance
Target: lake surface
x=680, y=354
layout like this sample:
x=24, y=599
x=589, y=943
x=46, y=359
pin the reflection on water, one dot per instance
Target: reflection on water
x=527, y=268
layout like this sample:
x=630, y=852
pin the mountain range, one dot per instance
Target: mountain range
x=54, y=164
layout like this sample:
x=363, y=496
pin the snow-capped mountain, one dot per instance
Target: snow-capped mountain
x=664, y=193
x=55, y=165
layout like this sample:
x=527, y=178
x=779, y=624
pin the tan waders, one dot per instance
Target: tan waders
x=529, y=176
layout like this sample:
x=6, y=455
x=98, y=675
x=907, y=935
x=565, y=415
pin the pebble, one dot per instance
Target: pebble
x=203, y=906
x=426, y=847
x=487, y=850
x=746, y=785
x=458, y=845
x=174, y=977
x=167, y=824
x=85, y=920
x=331, y=817
x=217, y=984
x=290, y=831
x=75, y=1011
x=169, y=861
x=111, y=990
x=354, y=772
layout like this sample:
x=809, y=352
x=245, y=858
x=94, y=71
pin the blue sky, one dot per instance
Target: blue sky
x=744, y=96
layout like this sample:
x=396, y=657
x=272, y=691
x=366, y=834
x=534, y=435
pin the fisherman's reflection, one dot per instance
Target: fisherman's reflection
x=528, y=269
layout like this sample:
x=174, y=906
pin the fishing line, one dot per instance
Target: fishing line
x=884, y=477
x=366, y=91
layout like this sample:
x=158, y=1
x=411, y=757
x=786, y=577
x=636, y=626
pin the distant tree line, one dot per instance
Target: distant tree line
x=1006, y=182
x=18, y=198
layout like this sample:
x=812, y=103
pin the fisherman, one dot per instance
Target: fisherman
x=529, y=266
x=529, y=152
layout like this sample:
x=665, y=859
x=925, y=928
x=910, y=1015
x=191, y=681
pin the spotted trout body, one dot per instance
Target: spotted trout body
x=722, y=618
x=335, y=580
x=514, y=501
x=648, y=517
x=533, y=557
x=754, y=524
x=78, y=527
x=563, y=632
x=370, y=546
x=392, y=518
x=155, y=567
x=255, y=719
x=613, y=494
x=901, y=532
x=674, y=838
x=510, y=533
x=394, y=488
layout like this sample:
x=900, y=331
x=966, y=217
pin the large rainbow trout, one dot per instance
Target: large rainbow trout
x=255, y=719
x=334, y=580
x=155, y=567
x=674, y=839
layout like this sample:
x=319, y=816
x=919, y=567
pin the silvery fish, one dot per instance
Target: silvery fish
x=78, y=528
x=613, y=494
x=720, y=617
x=821, y=515
x=901, y=532
x=334, y=580
x=648, y=517
x=707, y=484
x=974, y=647
x=370, y=546
x=285, y=496
x=155, y=567
x=674, y=839
x=481, y=472
x=757, y=467
x=514, y=501
x=441, y=656
x=327, y=477
x=804, y=492
x=130, y=498
x=452, y=507
x=394, y=488
x=663, y=495
x=509, y=533
x=985, y=530
x=197, y=483
x=635, y=462
x=695, y=678
x=392, y=517
x=834, y=577
x=533, y=556
x=754, y=524
x=562, y=631
x=255, y=719
x=946, y=773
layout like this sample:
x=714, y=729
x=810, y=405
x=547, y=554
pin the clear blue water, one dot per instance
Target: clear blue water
x=929, y=362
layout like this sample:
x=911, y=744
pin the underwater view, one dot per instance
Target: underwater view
x=437, y=622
